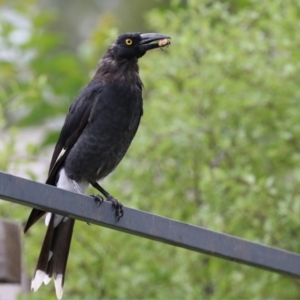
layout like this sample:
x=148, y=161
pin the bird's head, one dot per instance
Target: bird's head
x=135, y=45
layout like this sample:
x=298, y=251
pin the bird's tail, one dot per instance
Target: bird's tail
x=53, y=257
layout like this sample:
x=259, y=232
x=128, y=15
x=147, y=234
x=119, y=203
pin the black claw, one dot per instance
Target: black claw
x=117, y=207
x=98, y=199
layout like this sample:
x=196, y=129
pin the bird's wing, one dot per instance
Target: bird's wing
x=76, y=121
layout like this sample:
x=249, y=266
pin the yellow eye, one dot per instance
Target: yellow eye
x=128, y=42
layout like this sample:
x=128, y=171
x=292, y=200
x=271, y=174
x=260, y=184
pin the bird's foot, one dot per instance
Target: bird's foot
x=117, y=207
x=98, y=199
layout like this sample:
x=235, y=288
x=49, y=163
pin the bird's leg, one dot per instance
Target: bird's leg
x=117, y=206
x=98, y=199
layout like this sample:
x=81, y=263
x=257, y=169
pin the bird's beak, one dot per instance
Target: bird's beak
x=153, y=40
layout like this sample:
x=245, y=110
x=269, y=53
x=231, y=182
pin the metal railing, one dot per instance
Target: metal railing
x=154, y=227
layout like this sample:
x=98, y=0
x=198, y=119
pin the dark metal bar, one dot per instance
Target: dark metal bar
x=149, y=226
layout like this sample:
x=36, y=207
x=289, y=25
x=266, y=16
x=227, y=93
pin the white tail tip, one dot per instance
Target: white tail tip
x=47, y=279
x=58, y=286
x=37, y=280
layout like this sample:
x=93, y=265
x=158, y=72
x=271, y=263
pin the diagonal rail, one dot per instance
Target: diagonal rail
x=49, y=198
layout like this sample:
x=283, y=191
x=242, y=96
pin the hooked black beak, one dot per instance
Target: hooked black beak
x=153, y=40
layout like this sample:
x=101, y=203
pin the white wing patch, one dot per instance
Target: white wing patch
x=62, y=152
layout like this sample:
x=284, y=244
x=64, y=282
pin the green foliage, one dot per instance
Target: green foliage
x=218, y=147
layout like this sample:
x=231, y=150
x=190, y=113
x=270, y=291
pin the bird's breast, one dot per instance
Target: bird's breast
x=120, y=105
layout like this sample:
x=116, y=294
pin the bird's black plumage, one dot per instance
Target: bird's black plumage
x=99, y=128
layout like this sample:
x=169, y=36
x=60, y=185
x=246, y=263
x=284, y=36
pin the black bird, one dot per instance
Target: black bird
x=97, y=132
